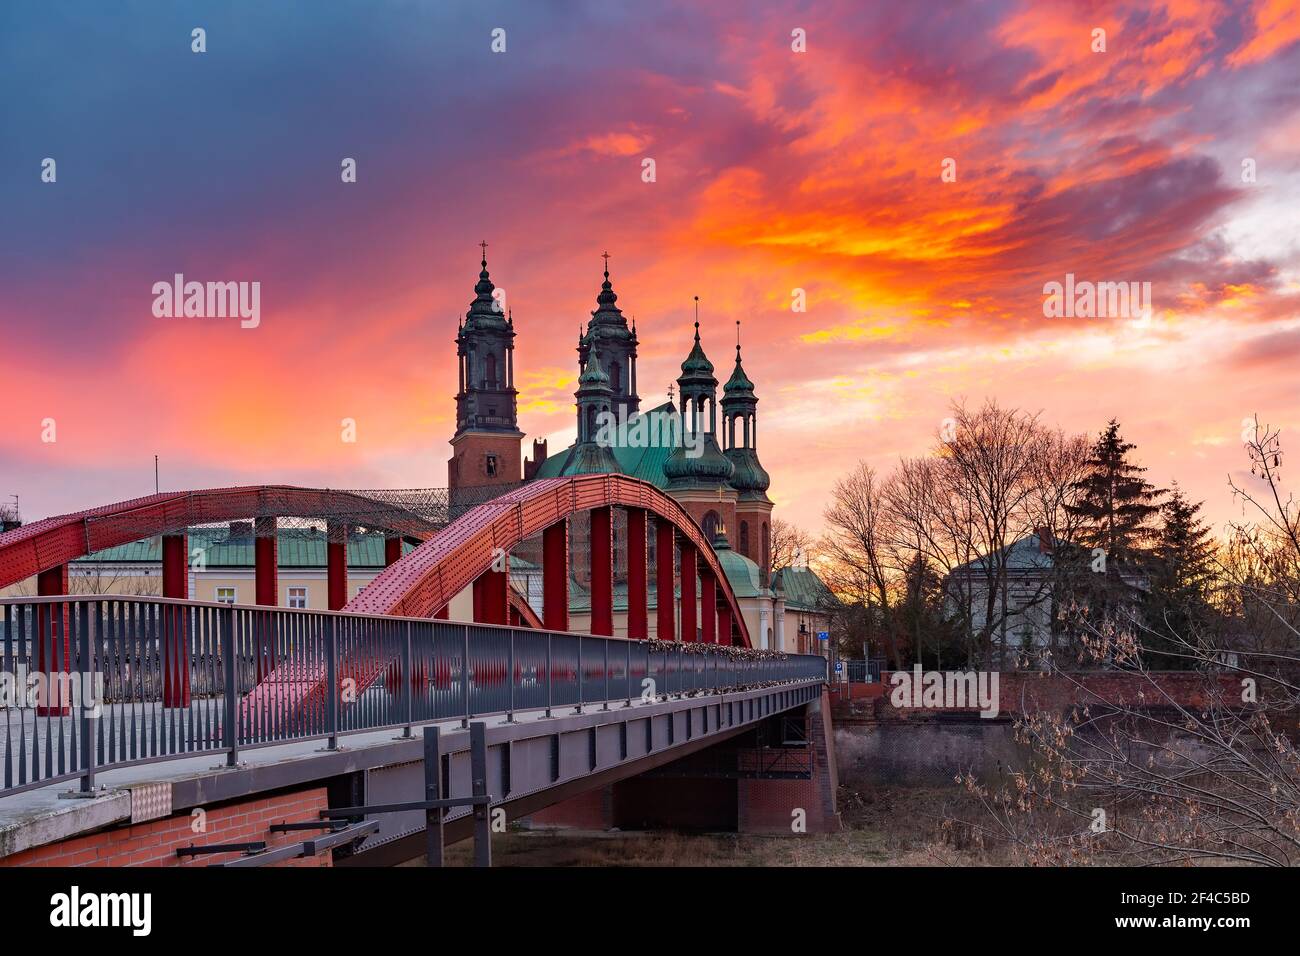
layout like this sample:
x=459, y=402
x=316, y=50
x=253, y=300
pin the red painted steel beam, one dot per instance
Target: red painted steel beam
x=449, y=561
x=51, y=542
x=665, y=586
x=689, y=632
x=266, y=566
x=175, y=622
x=392, y=549
x=491, y=598
x=53, y=650
x=708, y=606
x=555, y=576
x=602, y=572
x=724, y=623
x=637, y=623
x=336, y=565
x=175, y=566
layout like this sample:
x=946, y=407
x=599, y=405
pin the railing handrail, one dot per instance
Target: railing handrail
x=171, y=683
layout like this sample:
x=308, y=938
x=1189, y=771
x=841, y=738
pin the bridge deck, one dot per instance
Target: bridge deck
x=677, y=725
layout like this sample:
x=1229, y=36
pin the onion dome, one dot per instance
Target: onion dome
x=709, y=467
x=747, y=475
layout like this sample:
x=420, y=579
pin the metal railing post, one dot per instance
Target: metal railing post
x=578, y=709
x=478, y=785
x=510, y=713
x=627, y=673
x=432, y=791
x=606, y=691
x=86, y=670
x=408, y=683
x=548, y=674
x=231, y=742
x=332, y=684
x=464, y=678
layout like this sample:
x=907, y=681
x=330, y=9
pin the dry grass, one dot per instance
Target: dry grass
x=885, y=827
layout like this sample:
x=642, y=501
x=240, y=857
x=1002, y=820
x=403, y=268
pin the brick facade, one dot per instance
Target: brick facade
x=155, y=843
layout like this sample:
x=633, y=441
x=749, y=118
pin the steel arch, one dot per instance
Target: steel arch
x=428, y=577
x=48, y=543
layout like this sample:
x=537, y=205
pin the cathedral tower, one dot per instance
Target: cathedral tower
x=486, y=446
x=608, y=333
x=697, y=471
x=753, y=531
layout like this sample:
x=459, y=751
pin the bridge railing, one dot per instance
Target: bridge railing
x=95, y=682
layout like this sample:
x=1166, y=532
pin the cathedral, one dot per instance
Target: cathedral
x=701, y=452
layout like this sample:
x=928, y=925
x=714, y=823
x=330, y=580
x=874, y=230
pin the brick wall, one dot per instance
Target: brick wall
x=155, y=843
x=1022, y=692
x=767, y=806
x=592, y=810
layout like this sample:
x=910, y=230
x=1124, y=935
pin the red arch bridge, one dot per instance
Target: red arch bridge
x=136, y=695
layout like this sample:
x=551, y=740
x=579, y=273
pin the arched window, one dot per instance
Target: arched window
x=710, y=526
x=614, y=376
x=491, y=372
x=744, y=538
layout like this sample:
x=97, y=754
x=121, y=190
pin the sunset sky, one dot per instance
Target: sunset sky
x=776, y=170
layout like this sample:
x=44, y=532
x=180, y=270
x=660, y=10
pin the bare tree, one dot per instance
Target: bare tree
x=1152, y=778
x=791, y=546
x=855, y=552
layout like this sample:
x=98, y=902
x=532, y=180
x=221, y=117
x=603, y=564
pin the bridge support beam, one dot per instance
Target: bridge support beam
x=708, y=606
x=392, y=549
x=175, y=621
x=492, y=598
x=52, y=642
x=336, y=565
x=665, y=548
x=266, y=567
x=602, y=572
x=689, y=573
x=555, y=576
x=637, y=623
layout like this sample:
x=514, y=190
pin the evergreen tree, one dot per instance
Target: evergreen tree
x=1182, y=573
x=1115, y=502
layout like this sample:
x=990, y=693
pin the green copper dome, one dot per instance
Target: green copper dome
x=709, y=467
x=697, y=369
x=747, y=474
x=590, y=458
x=742, y=573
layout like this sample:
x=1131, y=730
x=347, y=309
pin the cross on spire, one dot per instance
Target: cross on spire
x=670, y=391
x=483, y=246
x=605, y=256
